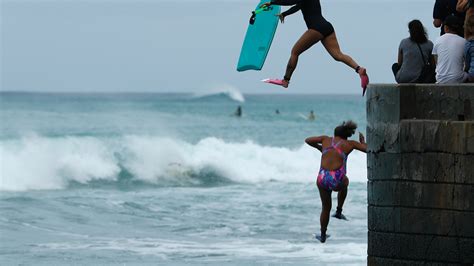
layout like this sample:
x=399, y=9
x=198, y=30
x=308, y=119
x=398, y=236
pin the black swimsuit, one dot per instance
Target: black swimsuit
x=312, y=14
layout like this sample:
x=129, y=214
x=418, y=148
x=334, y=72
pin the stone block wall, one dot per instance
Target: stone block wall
x=420, y=174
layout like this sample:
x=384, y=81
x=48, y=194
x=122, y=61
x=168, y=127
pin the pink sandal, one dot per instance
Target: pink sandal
x=280, y=82
x=364, y=78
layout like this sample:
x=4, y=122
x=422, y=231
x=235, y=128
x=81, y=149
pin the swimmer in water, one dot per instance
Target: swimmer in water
x=238, y=112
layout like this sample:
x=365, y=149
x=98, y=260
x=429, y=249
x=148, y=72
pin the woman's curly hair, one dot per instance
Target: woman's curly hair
x=345, y=130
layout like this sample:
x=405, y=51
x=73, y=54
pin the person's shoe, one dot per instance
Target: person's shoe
x=339, y=215
x=364, y=79
x=280, y=82
x=322, y=237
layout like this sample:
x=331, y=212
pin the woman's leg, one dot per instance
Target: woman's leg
x=332, y=46
x=341, y=197
x=308, y=39
x=325, y=211
x=395, y=69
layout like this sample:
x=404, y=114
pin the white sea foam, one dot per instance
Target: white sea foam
x=36, y=162
x=224, y=89
x=44, y=163
x=254, y=248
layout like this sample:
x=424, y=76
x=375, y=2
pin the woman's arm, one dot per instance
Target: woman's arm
x=285, y=2
x=432, y=60
x=315, y=142
x=292, y=10
x=461, y=6
x=400, y=58
x=281, y=3
x=361, y=145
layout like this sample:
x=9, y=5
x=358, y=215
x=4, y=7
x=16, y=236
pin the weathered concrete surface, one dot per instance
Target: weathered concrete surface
x=421, y=174
x=383, y=261
x=429, y=221
x=422, y=167
x=391, y=103
x=421, y=195
x=421, y=247
x=413, y=135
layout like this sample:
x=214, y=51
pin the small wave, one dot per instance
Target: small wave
x=226, y=91
x=38, y=163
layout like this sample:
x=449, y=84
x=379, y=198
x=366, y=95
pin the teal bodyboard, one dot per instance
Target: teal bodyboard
x=258, y=38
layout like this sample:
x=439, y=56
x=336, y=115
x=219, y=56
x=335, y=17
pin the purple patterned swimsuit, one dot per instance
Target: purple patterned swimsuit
x=332, y=179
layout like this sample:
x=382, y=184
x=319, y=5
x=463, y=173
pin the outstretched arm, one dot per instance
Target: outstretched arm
x=292, y=10
x=281, y=3
x=361, y=145
x=316, y=142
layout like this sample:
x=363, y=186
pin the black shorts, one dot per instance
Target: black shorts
x=324, y=27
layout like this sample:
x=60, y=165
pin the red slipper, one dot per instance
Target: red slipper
x=280, y=82
x=364, y=81
x=364, y=78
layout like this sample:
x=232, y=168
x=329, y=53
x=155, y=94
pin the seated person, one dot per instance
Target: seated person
x=413, y=53
x=448, y=53
x=469, y=50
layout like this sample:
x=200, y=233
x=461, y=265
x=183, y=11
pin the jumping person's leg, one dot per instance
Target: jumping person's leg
x=332, y=46
x=325, y=211
x=341, y=197
x=308, y=39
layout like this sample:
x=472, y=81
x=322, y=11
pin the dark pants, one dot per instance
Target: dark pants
x=395, y=69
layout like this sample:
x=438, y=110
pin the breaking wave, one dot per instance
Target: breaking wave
x=38, y=163
x=226, y=91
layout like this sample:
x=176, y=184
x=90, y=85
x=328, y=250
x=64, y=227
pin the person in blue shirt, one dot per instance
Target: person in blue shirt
x=469, y=48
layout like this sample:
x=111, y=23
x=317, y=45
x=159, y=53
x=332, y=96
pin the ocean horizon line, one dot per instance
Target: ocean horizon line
x=167, y=93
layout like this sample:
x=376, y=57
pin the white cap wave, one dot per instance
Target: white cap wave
x=230, y=91
x=35, y=163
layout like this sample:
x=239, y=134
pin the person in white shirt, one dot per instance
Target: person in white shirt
x=448, y=53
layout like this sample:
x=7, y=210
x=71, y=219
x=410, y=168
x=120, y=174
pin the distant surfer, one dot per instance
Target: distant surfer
x=311, y=116
x=332, y=174
x=319, y=29
x=238, y=112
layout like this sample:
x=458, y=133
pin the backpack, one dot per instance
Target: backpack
x=428, y=72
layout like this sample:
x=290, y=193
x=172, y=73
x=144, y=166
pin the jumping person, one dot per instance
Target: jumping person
x=332, y=174
x=319, y=29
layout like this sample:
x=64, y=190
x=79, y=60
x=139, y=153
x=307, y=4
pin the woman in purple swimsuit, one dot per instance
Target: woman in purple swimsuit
x=319, y=29
x=332, y=174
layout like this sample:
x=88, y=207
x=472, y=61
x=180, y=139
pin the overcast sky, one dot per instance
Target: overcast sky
x=188, y=46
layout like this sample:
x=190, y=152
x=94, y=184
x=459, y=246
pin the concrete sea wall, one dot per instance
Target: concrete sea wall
x=420, y=174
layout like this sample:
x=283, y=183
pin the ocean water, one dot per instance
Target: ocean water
x=172, y=179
